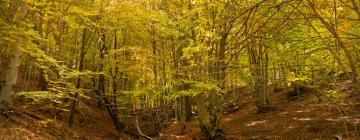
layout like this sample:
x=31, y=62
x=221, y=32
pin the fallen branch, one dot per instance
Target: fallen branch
x=140, y=132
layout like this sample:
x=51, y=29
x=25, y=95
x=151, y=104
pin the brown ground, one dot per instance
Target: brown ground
x=301, y=117
x=36, y=123
x=297, y=118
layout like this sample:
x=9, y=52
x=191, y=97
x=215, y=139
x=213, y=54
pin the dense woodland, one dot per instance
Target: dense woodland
x=160, y=62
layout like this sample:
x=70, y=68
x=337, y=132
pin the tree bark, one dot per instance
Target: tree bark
x=78, y=82
x=259, y=70
x=101, y=91
x=6, y=100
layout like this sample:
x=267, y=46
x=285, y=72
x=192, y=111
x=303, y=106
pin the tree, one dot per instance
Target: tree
x=13, y=21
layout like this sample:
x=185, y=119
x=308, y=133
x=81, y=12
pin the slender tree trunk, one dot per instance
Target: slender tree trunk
x=42, y=80
x=28, y=75
x=78, y=82
x=114, y=75
x=108, y=105
x=154, y=52
x=347, y=52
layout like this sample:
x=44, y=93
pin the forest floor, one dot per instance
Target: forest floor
x=297, y=118
x=300, y=117
x=37, y=123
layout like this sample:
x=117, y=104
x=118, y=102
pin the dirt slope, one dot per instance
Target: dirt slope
x=34, y=123
x=297, y=118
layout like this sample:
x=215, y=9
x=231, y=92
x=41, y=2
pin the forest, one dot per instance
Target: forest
x=179, y=69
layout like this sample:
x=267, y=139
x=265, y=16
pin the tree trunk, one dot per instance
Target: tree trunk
x=6, y=100
x=259, y=70
x=339, y=42
x=78, y=82
x=114, y=76
x=101, y=91
x=28, y=75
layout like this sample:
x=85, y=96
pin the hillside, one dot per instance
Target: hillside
x=32, y=123
x=179, y=69
x=300, y=117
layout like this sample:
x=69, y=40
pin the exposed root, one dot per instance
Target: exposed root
x=140, y=132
